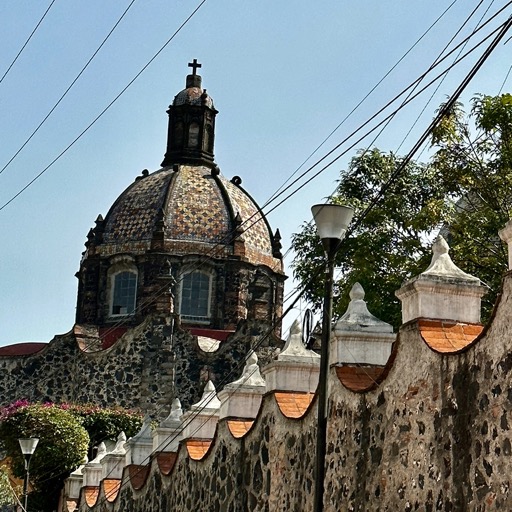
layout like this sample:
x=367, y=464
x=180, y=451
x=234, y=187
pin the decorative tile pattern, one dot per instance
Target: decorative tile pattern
x=197, y=217
x=197, y=448
x=138, y=475
x=359, y=378
x=256, y=232
x=166, y=461
x=239, y=428
x=292, y=404
x=133, y=215
x=111, y=488
x=91, y=494
x=196, y=209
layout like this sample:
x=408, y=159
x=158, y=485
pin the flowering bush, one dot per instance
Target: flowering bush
x=63, y=443
x=66, y=432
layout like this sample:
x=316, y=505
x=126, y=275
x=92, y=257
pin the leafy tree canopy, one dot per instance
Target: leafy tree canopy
x=464, y=190
x=66, y=432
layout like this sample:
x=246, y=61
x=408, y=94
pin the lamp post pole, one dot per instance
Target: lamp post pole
x=332, y=222
x=28, y=447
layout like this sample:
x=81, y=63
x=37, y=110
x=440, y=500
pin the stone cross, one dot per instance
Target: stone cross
x=194, y=65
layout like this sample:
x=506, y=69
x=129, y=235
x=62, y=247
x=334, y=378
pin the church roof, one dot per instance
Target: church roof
x=200, y=209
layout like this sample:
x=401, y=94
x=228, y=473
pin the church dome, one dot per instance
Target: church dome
x=194, y=210
x=183, y=239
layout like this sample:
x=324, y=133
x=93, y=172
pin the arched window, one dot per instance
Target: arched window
x=195, y=297
x=124, y=293
x=193, y=135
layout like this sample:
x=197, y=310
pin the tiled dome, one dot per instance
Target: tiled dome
x=201, y=211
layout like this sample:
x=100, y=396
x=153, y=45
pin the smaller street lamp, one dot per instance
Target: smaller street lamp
x=331, y=221
x=28, y=447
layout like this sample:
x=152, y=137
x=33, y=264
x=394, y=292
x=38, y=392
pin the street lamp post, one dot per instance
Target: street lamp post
x=28, y=447
x=331, y=223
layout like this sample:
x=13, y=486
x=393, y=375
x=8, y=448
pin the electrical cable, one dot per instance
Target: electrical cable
x=93, y=122
x=287, y=310
x=348, y=149
x=27, y=41
x=366, y=96
x=68, y=88
x=375, y=127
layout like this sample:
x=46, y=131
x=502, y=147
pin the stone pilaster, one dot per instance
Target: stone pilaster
x=359, y=337
x=296, y=368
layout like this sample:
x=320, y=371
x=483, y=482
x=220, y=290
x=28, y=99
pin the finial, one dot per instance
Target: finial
x=194, y=65
x=295, y=328
x=251, y=375
x=440, y=246
x=119, y=449
x=357, y=292
x=102, y=451
x=442, y=264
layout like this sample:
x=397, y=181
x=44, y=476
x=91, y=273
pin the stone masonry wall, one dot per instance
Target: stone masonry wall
x=145, y=369
x=435, y=435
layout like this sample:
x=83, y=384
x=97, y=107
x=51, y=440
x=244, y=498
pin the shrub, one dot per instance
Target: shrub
x=63, y=443
x=107, y=423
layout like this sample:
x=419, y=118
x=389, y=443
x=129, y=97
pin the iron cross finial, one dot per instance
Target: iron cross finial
x=194, y=65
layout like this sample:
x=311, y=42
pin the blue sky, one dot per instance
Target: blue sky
x=283, y=75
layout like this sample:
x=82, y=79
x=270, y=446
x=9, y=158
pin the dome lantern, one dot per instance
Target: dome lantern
x=191, y=132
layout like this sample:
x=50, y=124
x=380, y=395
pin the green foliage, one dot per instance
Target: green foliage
x=65, y=433
x=107, y=423
x=7, y=488
x=389, y=246
x=63, y=443
x=464, y=191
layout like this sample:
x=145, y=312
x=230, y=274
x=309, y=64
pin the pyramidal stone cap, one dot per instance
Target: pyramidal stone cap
x=360, y=337
x=358, y=318
x=443, y=291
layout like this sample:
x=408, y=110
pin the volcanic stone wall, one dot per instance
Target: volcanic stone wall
x=144, y=369
x=435, y=435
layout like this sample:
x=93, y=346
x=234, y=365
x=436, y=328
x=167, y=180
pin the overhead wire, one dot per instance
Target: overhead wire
x=27, y=41
x=100, y=115
x=397, y=172
x=290, y=194
x=64, y=94
x=129, y=84
x=366, y=96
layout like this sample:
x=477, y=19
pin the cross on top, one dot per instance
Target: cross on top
x=194, y=65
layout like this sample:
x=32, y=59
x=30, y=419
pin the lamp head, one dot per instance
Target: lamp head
x=28, y=446
x=331, y=221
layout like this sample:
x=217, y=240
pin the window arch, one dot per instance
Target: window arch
x=195, y=296
x=193, y=135
x=124, y=293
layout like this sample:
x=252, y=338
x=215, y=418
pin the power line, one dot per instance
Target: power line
x=385, y=187
x=212, y=253
x=68, y=89
x=367, y=95
x=93, y=122
x=27, y=41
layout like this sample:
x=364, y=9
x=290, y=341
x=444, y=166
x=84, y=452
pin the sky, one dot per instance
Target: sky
x=283, y=76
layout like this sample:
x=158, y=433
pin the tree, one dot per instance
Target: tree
x=463, y=190
x=66, y=432
x=63, y=443
x=104, y=423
